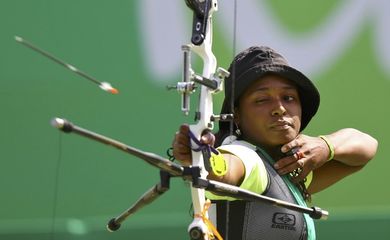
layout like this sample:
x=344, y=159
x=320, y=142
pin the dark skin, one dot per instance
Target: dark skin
x=269, y=107
x=269, y=115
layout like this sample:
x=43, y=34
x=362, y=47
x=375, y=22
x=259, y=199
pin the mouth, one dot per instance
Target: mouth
x=281, y=125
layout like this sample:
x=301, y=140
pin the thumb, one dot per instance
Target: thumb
x=208, y=138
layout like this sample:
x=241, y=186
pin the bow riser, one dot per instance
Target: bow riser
x=198, y=229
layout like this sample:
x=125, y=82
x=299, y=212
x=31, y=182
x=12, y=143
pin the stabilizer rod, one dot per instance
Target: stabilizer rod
x=151, y=158
x=147, y=198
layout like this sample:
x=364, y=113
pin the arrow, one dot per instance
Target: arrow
x=103, y=85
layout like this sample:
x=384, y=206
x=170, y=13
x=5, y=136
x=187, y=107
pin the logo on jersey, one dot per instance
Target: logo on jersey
x=284, y=221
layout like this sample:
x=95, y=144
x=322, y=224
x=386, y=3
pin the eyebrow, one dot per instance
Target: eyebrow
x=267, y=88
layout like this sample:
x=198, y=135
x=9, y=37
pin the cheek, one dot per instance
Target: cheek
x=297, y=118
x=297, y=121
x=252, y=122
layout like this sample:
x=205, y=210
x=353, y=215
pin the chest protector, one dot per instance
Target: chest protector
x=247, y=220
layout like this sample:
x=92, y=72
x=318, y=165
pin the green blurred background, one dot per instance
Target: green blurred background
x=58, y=186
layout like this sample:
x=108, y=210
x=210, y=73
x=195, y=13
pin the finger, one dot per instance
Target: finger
x=184, y=128
x=182, y=139
x=299, y=155
x=181, y=148
x=292, y=158
x=186, y=162
x=300, y=163
x=182, y=152
x=181, y=143
x=284, y=162
x=208, y=138
x=182, y=156
x=291, y=167
x=181, y=136
x=296, y=143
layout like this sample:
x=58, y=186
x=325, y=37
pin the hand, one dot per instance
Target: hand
x=182, y=146
x=310, y=153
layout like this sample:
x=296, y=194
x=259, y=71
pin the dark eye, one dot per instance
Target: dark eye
x=289, y=98
x=261, y=100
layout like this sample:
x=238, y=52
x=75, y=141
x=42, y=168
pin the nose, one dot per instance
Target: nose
x=279, y=109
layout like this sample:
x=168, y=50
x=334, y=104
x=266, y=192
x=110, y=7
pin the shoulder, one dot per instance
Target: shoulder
x=256, y=176
x=244, y=151
x=241, y=149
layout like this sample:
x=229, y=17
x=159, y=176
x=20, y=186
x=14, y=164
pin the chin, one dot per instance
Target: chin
x=283, y=138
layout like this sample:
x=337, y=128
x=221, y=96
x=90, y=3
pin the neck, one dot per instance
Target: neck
x=273, y=151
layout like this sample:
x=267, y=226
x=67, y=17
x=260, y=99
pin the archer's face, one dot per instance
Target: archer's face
x=269, y=112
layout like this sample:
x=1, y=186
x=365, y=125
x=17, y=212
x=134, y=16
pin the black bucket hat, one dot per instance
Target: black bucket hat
x=255, y=62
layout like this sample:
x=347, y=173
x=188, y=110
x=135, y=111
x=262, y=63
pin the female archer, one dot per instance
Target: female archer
x=265, y=151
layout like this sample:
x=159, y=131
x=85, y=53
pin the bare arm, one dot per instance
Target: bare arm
x=352, y=147
x=329, y=174
x=353, y=150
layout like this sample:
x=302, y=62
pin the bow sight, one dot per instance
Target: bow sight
x=187, y=85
